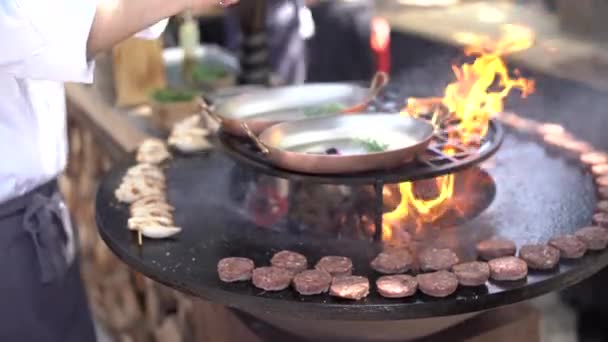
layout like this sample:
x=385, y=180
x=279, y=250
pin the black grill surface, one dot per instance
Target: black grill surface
x=538, y=194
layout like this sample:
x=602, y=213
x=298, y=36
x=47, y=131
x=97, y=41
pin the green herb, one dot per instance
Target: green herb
x=332, y=108
x=208, y=72
x=371, y=145
x=173, y=95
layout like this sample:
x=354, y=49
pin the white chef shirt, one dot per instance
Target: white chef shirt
x=43, y=43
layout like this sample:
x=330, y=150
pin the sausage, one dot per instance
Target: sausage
x=601, y=181
x=235, y=269
x=393, y=261
x=551, y=129
x=601, y=219
x=349, y=287
x=594, y=158
x=396, y=286
x=602, y=206
x=599, y=170
x=576, y=146
x=312, y=282
x=475, y=273
x=434, y=259
x=495, y=248
x=437, y=284
x=570, y=247
x=595, y=238
x=289, y=260
x=539, y=257
x=602, y=193
x=335, y=265
x=272, y=278
x=508, y=268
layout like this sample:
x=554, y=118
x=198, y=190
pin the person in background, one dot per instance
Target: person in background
x=43, y=44
x=288, y=25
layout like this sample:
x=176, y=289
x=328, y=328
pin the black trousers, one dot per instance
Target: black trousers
x=42, y=297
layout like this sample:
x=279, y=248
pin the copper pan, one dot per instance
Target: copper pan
x=301, y=145
x=266, y=108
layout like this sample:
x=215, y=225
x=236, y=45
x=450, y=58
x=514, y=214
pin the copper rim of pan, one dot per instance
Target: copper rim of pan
x=418, y=132
x=232, y=125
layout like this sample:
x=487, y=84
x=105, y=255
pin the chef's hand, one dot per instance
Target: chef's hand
x=116, y=20
x=202, y=5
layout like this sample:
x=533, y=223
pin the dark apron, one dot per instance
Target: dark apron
x=42, y=297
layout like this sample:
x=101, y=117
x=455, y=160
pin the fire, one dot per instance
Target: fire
x=470, y=101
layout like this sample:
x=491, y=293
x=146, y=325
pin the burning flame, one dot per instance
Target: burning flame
x=476, y=95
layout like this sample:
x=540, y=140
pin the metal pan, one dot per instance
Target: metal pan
x=301, y=145
x=263, y=109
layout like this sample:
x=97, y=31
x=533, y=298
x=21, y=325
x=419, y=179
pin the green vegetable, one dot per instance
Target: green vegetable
x=208, y=72
x=371, y=145
x=332, y=108
x=173, y=95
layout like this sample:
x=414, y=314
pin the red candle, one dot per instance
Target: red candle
x=380, y=42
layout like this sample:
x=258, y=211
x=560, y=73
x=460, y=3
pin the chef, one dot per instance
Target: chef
x=42, y=44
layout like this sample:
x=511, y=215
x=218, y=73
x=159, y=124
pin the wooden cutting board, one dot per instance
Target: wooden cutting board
x=138, y=70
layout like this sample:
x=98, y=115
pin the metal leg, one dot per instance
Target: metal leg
x=378, y=187
x=294, y=187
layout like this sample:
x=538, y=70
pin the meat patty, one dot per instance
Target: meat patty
x=397, y=286
x=435, y=259
x=335, y=265
x=272, y=278
x=437, y=284
x=312, y=282
x=601, y=219
x=235, y=269
x=595, y=238
x=570, y=247
x=393, y=261
x=475, y=273
x=289, y=260
x=508, y=268
x=495, y=248
x=349, y=287
x=539, y=257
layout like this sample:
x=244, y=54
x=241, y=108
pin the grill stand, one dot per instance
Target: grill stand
x=434, y=162
x=378, y=187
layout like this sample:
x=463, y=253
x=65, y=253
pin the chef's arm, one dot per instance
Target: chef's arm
x=117, y=20
x=56, y=40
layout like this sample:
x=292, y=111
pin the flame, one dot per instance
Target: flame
x=470, y=101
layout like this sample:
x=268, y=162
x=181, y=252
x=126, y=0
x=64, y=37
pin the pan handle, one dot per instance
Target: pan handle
x=208, y=110
x=378, y=83
x=263, y=148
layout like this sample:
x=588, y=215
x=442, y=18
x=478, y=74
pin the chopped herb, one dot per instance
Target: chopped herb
x=371, y=145
x=332, y=108
x=173, y=95
x=208, y=72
